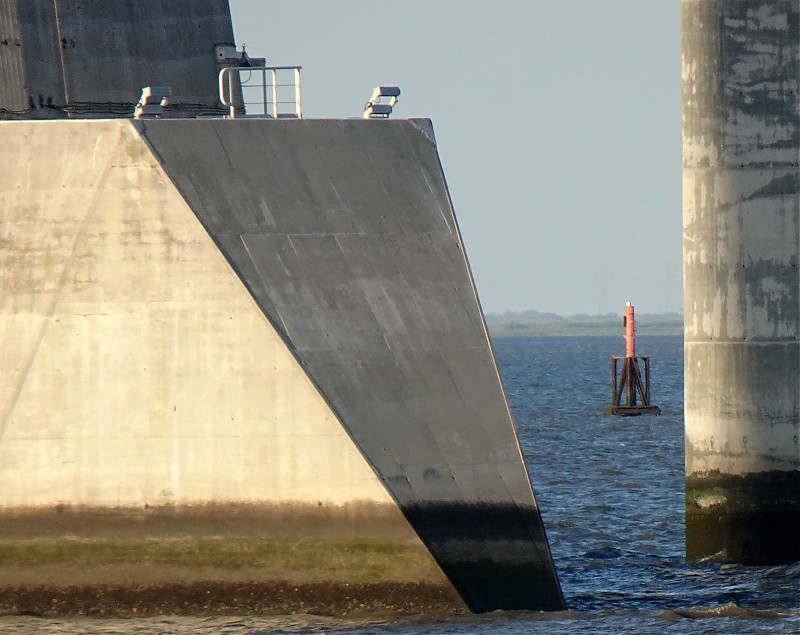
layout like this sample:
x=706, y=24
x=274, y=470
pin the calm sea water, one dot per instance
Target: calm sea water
x=611, y=491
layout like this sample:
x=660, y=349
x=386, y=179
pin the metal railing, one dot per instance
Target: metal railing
x=259, y=93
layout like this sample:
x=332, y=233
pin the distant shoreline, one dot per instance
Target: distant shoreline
x=533, y=323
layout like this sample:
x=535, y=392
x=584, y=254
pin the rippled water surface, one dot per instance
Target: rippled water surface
x=611, y=492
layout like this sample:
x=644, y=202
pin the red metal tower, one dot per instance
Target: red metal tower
x=628, y=380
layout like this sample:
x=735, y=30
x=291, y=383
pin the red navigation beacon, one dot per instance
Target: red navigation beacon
x=627, y=382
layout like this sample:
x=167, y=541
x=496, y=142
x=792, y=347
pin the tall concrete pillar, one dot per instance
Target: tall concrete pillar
x=741, y=215
x=91, y=59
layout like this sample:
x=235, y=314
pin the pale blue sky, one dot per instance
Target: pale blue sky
x=558, y=125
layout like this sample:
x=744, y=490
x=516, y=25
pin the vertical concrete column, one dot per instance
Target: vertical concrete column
x=741, y=229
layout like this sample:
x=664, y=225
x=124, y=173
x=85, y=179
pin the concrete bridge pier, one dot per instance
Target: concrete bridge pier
x=741, y=216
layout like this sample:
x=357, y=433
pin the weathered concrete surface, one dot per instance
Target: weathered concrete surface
x=741, y=129
x=359, y=600
x=146, y=400
x=13, y=96
x=91, y=58
x=142, y=391
x=240, y=559
x=344, y=233
x=140, y=370
x=136, y=369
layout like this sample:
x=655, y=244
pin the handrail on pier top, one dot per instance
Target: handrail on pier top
x=265, y=98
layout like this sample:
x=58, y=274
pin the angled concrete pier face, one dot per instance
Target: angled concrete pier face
x=254, y=328
x=741, y=144
x=344, y=233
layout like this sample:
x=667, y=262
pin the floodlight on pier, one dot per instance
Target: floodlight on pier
x=152, y=101
x=375, y=108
